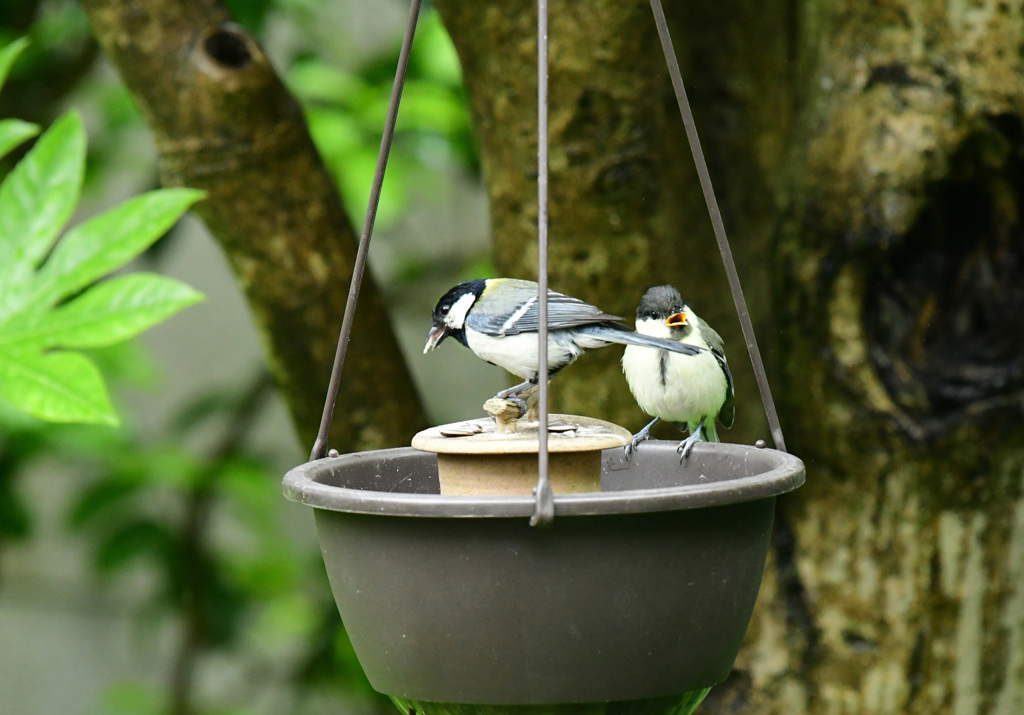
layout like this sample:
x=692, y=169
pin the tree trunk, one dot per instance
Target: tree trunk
x=870, y=162
x=626, y=210
x=224, y=122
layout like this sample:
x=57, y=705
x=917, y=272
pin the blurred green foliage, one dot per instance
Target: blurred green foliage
x=207, y=529
x=56, y=300
x=346, y=112
x=204, y=526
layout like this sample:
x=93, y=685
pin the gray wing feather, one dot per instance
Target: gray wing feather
x=727, y=414
x=624, y=336
x=713, y=339
x=563, y=312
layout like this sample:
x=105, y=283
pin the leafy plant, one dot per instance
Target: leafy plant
x=53, y=299
x=222, y=565
x=346, y=110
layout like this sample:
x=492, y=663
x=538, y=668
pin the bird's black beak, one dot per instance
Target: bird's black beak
x=676, y=321
x=434, y=337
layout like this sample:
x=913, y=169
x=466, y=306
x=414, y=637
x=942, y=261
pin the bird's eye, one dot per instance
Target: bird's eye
x=652, y=315
x=445, y=309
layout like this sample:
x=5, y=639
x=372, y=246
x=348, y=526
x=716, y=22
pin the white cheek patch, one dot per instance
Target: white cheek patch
x=457, y=315
x=653, y=327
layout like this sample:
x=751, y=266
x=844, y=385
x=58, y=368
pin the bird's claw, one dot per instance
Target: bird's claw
x=628, y=450
x=632, y=446
x=519, y=402
x=686, y=446
x=515, y=399
x=512, y=394
x=639, y=437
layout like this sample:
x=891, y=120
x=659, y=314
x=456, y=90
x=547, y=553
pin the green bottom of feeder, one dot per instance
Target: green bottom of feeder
x=671, y=705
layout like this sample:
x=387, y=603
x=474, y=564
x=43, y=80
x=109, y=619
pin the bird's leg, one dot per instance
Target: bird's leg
x=641, y=436
x=512, y=395
x=687, y=444
x=514, y=390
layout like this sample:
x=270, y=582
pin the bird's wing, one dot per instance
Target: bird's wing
x=564, y=311
x=624, y=336
x=713, y=339
x=727, y=414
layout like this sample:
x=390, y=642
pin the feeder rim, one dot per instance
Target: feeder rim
x=786, y=475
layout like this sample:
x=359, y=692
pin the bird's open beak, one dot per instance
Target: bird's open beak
x=434, y=338
x=675, y=321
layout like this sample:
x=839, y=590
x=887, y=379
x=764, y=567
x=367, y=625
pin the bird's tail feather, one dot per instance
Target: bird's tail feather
x=624, y=336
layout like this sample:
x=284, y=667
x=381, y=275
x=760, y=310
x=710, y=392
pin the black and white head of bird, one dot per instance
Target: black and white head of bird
x=449, y=316
x=663, y=314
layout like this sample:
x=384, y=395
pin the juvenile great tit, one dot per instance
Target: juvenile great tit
x=498, y=319
x=688, y=390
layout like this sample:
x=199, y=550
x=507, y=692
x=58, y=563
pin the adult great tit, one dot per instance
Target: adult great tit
x=688, y=390
x=498, y=319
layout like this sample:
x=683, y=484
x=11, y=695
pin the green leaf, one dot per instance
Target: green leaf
x=67, y=387
x=289, y=615
x=243, y=481
x=433, y=108
x=140, y=539
x=130, y=363
x=317, y=82
x=106, y=314
x=133, y=698
x=57, y=387
x=172, y=466
x=202, y=413
x=106, y=242
x=15, y=517
x=7, y=56
x=98, y=502
x=36, y=200
x=433, y=54
x=14, y=132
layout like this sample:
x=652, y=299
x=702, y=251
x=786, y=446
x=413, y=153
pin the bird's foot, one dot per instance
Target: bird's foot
x=505, y=413
x=513, y=395
x=628, y=450
x=641, y=436
x=686, y=445
x=519, y=402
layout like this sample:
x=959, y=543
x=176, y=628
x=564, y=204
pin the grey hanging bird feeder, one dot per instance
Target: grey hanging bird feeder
x=637, y=597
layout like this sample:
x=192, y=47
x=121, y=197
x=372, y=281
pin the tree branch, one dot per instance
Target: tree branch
x=224, y=122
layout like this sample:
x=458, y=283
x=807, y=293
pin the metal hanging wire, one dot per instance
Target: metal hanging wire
x=716, y=222
x=544, y=510
x=320, y=446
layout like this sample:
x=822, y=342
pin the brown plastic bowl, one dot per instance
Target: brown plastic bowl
x=642, y=590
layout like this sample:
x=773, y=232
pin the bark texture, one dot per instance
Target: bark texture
x=625, y=208
x=870, y=163
x=901, y=259
x=224, y=122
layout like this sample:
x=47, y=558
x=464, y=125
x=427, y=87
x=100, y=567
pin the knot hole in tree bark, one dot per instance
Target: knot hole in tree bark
x=945, y=306
x=228, y=46
x=229, y=56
